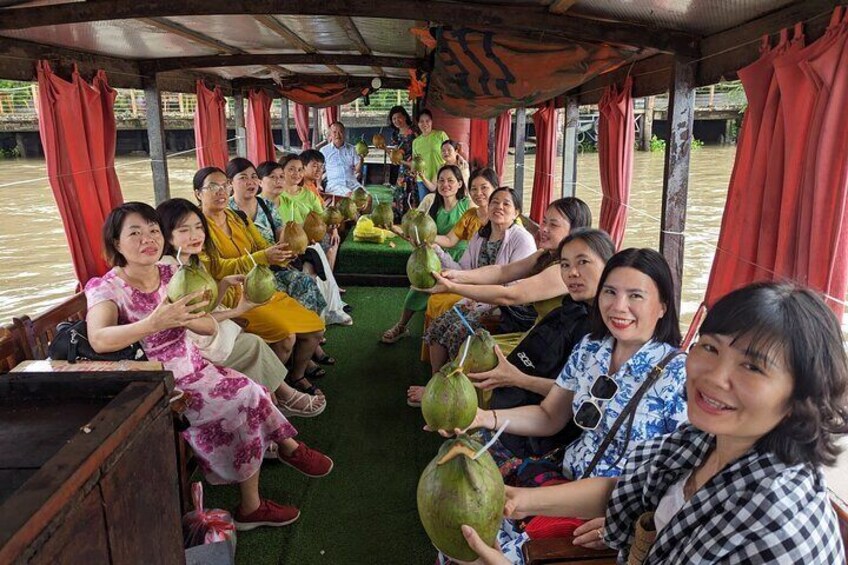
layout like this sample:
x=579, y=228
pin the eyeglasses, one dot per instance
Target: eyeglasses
x=588, y=415
x=215, y=188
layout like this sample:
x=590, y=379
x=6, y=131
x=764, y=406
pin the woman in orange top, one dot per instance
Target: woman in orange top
x=232, y=238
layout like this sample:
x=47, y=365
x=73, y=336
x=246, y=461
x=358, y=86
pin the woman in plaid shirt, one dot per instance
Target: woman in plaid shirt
x=767, y=387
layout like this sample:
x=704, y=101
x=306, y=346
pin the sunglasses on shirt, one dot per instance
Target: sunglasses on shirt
x=589, y=413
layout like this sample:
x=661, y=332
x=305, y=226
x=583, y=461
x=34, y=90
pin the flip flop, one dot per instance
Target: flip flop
x=311, y=390
x=314, y=373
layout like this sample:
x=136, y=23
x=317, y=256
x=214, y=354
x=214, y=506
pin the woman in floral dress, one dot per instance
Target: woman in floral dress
x=403, y=133
x=232, y=419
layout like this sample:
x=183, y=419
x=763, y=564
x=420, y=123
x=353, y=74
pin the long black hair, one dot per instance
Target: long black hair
x=171, y=213
x=598, y=241
x=793, y=324
x=238, y=165
x=654, y=265
x=439, y=202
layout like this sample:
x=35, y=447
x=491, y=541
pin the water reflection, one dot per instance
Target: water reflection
x=35, y=268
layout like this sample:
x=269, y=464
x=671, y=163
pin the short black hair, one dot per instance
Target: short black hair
x=266, y=168
x=486, y=230
x=238, y=165
x=578, y=213
x=654, y=265
x=171, y=213
x=114, y=223
x=794, y=323
x=310, y=155
x=486, y=173
x=425, y=112
x=288, y=158
x=598, y=241
x=201, y=175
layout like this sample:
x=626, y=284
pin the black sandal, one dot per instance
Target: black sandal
x=311, y=390
x=314, y=373
x=324, y=360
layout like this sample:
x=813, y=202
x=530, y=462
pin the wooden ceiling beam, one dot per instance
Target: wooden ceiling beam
x=509, y=17
x=283, y=31
x=193, y=36
x=726, y=52
x=302, y=79
x=177, y=63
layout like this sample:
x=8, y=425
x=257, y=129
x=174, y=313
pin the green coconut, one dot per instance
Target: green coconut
x=348, y=209
x=420, y=266
x=417, y=163
x=383, y=216
x=361, y=148
x=450, y=400
x=192, y=277
x=315, y=227
x=295, y=237
x=480, y=356
x=422, y=229
x=406, y=221
x=456, y=490
x=333, y=216
x=360, y=198
x=260, y=284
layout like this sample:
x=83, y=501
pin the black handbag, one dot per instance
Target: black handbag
x=70, y=343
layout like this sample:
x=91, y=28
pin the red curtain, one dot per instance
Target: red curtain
x=210, y=128
x=503, y=130
x=260, y=141
x=545, y=121
x=785, y=212
x=616, y=137
x=76, y=122
x=331, y=114
x=478, y=154
x=301, y=124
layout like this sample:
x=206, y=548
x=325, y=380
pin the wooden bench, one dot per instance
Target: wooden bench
x=28, y=338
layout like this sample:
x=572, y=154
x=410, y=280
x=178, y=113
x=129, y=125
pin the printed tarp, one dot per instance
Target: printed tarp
x=480, y=74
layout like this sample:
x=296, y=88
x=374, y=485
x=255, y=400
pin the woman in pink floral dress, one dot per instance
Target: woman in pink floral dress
x=232, y=419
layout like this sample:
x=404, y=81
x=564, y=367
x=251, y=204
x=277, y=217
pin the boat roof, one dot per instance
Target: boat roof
x=238, y=44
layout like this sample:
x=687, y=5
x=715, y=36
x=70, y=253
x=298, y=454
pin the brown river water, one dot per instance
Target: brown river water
x=35, y=265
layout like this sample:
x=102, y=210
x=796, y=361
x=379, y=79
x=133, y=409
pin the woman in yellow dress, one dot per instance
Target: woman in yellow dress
x=232, y=238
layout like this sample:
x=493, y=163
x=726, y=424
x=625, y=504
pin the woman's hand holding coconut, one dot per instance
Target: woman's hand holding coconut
x=442, y=285
x=278, y=254
x=179, y=314
x=504, y=374
x=487, y=555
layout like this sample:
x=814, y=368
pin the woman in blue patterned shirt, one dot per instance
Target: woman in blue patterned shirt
x=634, y=327
x=767, y=393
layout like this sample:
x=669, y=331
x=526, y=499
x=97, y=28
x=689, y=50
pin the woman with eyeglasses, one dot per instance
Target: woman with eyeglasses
x=742, y=482
x=232, y=239
x=450, y=203
x=634, y=329
x=499, y=242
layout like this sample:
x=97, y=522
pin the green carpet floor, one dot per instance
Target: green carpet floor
x=387, y=258
x=364, y=512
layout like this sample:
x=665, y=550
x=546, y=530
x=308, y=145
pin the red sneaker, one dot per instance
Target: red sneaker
x=269, y=513
x=308, y=461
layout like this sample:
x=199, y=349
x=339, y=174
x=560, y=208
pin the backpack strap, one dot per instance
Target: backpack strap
x=267, y=212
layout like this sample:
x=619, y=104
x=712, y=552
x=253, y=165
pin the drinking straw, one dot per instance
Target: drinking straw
x=464, y=321
x=464, y=353
x=491, y=441
x=252, y=260
x=179, y=252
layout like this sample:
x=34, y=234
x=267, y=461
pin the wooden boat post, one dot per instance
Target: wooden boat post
x=284, y=123
x=156, y=139
x=241, y=132
x=570, y=127
x=520, y=132
x=681, y=119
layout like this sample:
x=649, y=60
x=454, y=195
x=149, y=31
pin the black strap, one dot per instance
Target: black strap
x=629, y=411
x=267, y=212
